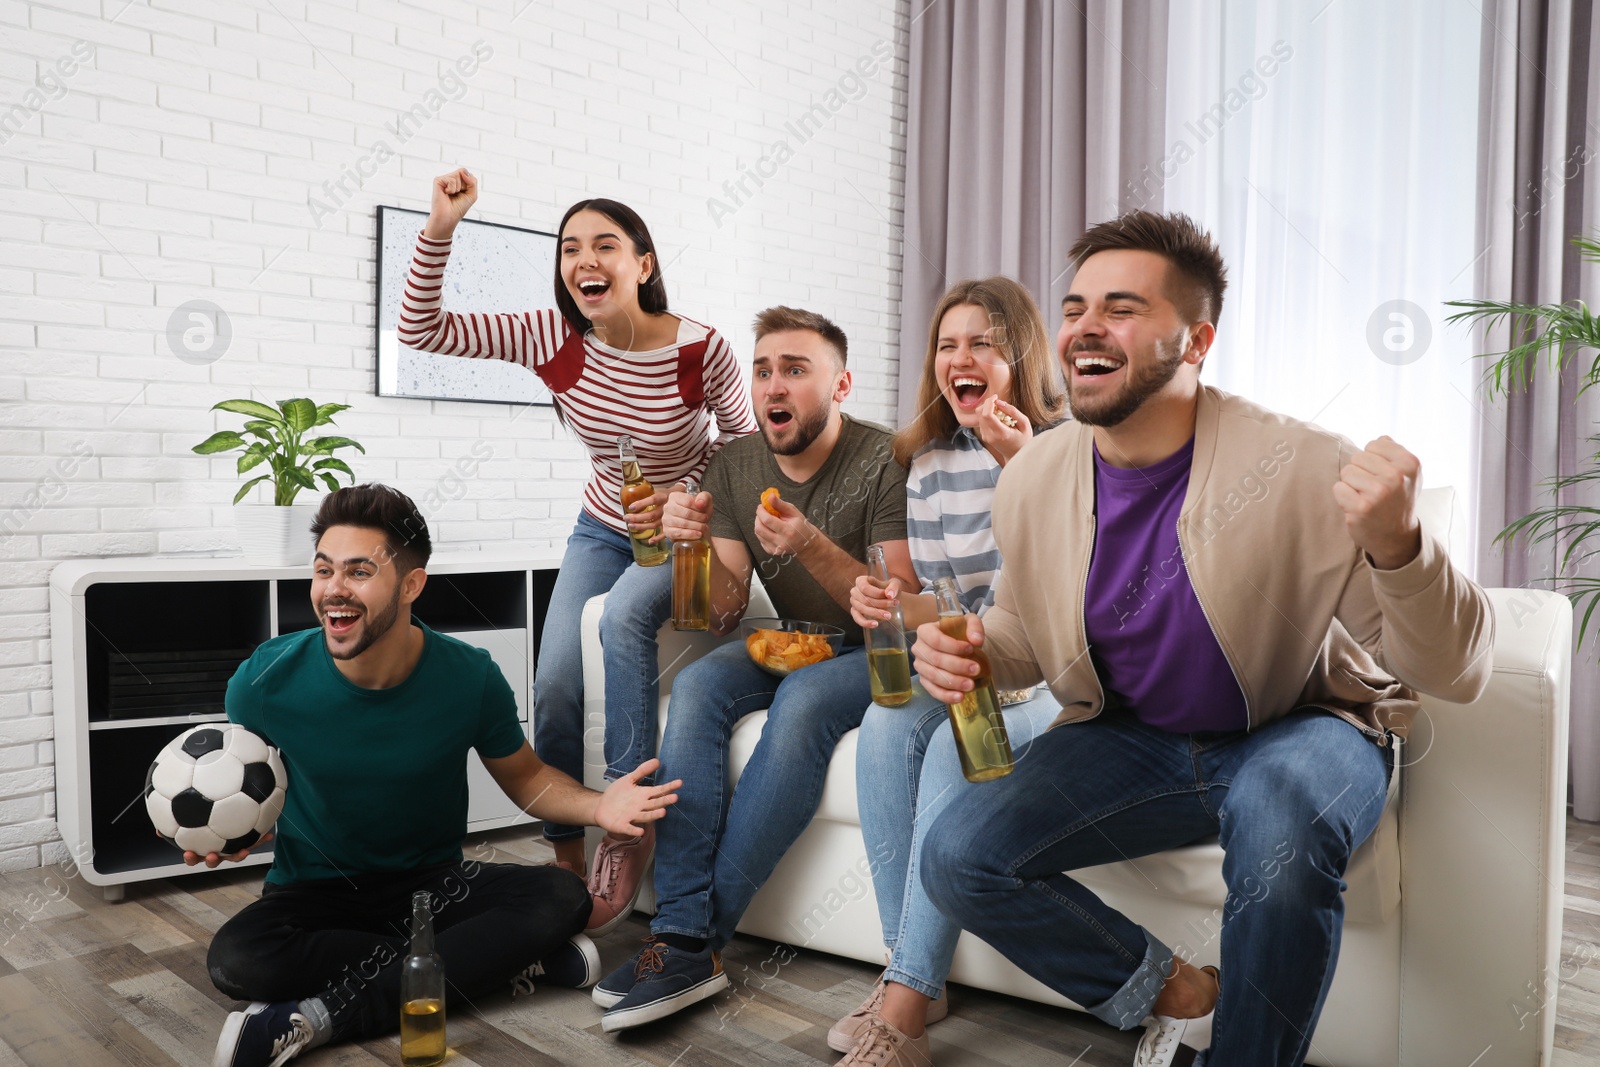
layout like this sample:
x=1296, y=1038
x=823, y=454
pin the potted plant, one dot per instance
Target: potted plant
x=277, y=534
x=1558, y=332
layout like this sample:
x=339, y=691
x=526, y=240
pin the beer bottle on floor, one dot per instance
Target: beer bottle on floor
x=422, y=1040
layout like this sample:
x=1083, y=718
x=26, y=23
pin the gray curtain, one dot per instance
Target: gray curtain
x=1028, y=121
x=1539, y=115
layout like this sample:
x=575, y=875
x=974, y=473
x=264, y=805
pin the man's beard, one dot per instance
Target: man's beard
x=372, y=627
x=1142, y=382
x=806, y=430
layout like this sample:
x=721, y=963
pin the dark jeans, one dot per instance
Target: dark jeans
x=344, y=939
x=713, y=851
x=1290, y=801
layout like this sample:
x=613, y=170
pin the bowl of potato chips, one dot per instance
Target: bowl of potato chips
x=783, y=646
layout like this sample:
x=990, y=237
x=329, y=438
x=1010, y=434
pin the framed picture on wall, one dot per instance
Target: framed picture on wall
x=492, y=268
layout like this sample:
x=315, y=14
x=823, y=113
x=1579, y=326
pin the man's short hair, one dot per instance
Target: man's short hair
x=374, y=506
x=1199, y=274
x=778, y=319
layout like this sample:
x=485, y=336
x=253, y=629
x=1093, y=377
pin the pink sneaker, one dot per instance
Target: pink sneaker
x=881, y=1045
x=615, y=878
x=846, y=1033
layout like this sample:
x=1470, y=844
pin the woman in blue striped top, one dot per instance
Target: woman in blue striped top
x=988, y=382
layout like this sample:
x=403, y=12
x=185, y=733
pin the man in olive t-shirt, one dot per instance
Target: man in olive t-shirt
x=840, y=490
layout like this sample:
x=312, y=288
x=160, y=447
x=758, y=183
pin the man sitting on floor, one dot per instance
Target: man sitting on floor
x=374, y=714
x=840, y=490
x=1235, y=610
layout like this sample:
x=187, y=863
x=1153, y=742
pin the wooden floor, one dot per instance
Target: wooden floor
x=84, y=983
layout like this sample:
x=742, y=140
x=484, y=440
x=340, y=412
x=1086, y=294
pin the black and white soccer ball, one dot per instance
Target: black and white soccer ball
x=215, y=788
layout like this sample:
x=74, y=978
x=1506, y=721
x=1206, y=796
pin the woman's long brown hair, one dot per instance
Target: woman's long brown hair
x=1018, y=332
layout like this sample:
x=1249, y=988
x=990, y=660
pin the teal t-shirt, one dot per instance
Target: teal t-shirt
x=377, y=777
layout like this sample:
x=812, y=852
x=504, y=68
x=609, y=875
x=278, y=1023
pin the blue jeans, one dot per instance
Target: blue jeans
x=599, y=560
x=907, y=772
x=1291, y=801
x=713, y=853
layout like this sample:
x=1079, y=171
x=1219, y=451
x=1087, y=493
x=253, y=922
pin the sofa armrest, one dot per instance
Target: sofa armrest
x=677, y=650
x=1482, y=840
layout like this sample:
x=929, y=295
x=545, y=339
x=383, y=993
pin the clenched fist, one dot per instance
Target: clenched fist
x=1378, y=491
x=453, y=196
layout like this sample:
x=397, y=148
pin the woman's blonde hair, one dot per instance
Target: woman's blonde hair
x=1018, y=331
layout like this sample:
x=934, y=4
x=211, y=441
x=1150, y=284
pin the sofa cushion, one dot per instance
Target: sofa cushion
x=1192, y=873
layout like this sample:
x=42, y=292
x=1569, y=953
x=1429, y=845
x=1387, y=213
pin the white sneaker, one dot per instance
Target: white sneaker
x=1165, y=1037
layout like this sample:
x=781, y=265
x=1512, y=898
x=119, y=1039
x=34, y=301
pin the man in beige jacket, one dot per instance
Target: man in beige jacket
x=1236, y=610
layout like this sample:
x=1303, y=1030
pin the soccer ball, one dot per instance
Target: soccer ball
x=215, y=788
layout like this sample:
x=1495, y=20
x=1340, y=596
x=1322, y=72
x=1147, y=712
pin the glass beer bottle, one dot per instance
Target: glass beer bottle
x=422, y=1041
x=980, y=729
x=888, y=661
x=691, y=579
x=634, y=487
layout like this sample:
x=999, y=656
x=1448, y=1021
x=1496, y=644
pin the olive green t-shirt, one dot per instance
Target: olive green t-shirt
x=377, y=777
x=857, y=497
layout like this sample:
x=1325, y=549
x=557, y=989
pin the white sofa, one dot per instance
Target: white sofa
x=1453, y=912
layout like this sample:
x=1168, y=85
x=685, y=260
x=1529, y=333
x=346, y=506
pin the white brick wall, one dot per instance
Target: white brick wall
x=161, y=151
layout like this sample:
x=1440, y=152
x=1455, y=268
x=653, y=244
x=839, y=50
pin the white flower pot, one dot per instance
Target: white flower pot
x=274, y=536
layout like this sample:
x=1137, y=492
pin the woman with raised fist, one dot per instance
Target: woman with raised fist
x=616, y=361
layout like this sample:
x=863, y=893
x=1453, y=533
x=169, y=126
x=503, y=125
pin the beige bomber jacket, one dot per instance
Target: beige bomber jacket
x=1301, y=616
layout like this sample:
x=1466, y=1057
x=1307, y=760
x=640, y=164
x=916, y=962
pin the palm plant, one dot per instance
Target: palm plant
x=1557, y=334
x=296, y=461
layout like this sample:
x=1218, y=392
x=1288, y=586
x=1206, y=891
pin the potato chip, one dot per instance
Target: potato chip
x=787, y=650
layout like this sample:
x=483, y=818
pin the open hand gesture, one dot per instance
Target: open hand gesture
x=626, y=806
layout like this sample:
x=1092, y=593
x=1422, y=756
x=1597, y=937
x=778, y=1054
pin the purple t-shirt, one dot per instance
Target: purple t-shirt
x=1149, y=641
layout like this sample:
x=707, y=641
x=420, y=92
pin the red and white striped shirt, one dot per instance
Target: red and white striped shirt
x=664, y=399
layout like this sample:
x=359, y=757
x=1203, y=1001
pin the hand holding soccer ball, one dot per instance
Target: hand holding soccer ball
x=215, y=791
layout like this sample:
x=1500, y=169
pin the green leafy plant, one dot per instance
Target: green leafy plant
x=1556, y=334
x=297, y=461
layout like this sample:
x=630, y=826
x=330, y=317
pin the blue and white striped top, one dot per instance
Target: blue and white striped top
x=949, y=502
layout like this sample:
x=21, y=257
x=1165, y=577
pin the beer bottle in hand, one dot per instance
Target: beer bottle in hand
x=691, y=578
x=888, y=661
x=981, y=739
x=634, y=487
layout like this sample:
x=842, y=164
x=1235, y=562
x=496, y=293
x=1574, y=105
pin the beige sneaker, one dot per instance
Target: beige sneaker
x=847, y=1031
x=881, y=1045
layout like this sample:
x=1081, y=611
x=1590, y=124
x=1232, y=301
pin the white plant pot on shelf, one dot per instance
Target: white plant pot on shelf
x=273, y=536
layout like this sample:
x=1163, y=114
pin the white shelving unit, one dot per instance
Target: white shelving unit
x=108, y=617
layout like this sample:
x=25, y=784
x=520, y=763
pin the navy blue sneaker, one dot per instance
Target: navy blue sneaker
x=665, y=980
x=575, y=965
x=263, y=1035
x=610, y=990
